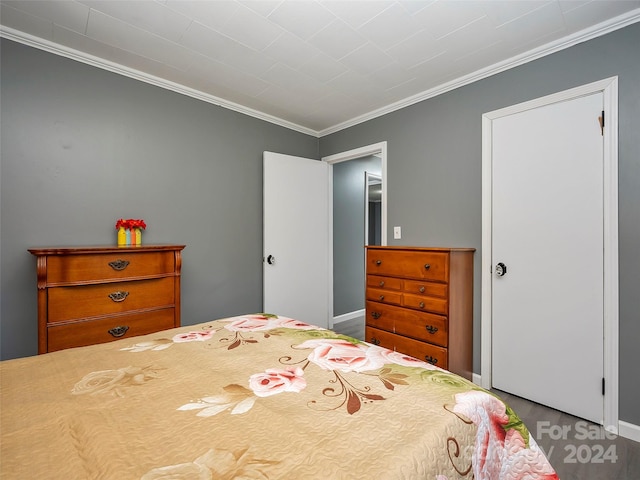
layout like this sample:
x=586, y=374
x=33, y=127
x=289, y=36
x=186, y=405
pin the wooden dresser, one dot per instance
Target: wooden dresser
x=89, y=295
x=420, y=302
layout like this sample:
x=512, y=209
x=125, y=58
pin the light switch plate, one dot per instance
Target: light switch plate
x=397, y=233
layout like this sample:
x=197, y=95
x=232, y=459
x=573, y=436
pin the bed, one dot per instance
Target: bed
x=253, y=397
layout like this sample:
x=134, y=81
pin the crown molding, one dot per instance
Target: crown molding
x=57, y=49
x=598, y=30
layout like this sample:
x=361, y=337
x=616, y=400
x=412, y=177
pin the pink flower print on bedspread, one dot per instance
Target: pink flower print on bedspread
x=260, y=323
x=275, y=380
x=406, y=360
x=193, y=337
x=500, y=453
x=336, y=354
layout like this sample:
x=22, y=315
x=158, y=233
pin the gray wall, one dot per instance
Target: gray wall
x=348, y=232
x=82, y=147
x=434, y=168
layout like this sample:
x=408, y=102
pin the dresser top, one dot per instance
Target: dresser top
x=425, y=249
x=78, y=250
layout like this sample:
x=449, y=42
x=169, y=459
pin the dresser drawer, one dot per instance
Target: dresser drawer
x=423, y=351
x=78, y=334
x=419, y=325
x=423, y=326
x=415, y=265
x=68, y=303
x=108, y=266
x=426, y=288
x=387, y=283
x=424, y=303
x=380, y=316
x=380, y=338
x=386, y=296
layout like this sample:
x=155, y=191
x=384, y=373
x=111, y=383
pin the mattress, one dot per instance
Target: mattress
x=257, y=397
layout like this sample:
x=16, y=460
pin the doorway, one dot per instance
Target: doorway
x=550, y=202
x=350, y=174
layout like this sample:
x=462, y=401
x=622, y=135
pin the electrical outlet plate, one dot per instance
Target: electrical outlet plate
x=397, y=233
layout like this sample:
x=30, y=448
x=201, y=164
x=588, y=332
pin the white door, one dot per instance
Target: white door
x=547, y=214
x=296, y=238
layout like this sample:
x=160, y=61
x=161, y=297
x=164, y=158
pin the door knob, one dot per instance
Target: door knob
x=271, y=259
x=501, y=269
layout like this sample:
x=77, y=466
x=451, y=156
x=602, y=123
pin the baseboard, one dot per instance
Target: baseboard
x=477, y=379
x=629, y=430
x=349, y=316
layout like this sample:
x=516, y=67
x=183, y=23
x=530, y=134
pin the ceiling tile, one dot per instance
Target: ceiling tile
x=127, y=37
x=219, y=47
x=414, y=6
x=504, y=11
x=71, y=15
x=337, y=39
x=284, y=98
x=367, y=59
x=353, y=84
x=585, y=14
x=77, y=41
x=302, y=18
x=322, y=67
x=443, y=17
x=390, y=27
x=391, y=75
x=211, y=14
x=263, y=7
x=290, y=50
x=416, y=49
x=536, y=26
x=218, y=73
x=457, y=44
x=25, y=22
x=250, y=28
x=153, y=17
x=285, y=77
x=357, y=13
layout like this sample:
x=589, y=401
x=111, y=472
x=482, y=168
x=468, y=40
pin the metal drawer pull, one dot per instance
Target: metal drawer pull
x=378, y=262
x=376, y=315
x=119, y=265
x=421, y=305
x=421, y=289
x=430, y=359
x=382, y=283
x=375, y=341
x=431, y=329
x=381, y=297
x=118, y=331
x=118, y=296
x=427, y=266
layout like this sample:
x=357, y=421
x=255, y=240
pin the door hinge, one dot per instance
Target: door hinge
x=602, y=385
x=601, y=120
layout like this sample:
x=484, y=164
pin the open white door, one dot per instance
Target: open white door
x=296, y=238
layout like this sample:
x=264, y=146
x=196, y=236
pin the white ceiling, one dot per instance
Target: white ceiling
x=315, y=66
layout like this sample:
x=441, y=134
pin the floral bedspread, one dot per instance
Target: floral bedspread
x=253, y=397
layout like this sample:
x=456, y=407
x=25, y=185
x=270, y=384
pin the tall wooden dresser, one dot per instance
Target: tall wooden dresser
x=89, y=295
x=420, y=302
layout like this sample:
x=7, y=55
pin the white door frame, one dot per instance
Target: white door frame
x=374, y=149
x=609, y=88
